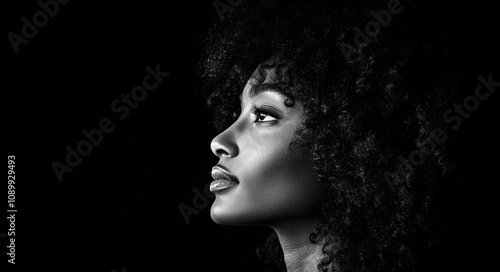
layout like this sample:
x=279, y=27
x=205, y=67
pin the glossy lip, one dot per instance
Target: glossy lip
x=222, y=179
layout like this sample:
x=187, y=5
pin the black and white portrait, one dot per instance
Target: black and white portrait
x=251, y=135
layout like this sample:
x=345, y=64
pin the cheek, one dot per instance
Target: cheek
x=278, y=185
x=292, y=188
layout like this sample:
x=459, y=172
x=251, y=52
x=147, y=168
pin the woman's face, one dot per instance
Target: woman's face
x=258, y=179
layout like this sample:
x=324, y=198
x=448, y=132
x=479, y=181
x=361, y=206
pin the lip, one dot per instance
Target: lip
x=222, y=179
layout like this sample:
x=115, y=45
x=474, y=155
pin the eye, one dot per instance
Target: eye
x=263, y=116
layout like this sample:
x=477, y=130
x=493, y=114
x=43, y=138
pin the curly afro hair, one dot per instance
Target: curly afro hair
x=365, y=110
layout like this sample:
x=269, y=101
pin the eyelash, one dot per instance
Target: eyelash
x=258, y=112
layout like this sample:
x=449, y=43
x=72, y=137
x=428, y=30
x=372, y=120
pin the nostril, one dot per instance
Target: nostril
x=221, y=153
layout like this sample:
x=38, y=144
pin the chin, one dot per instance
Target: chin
x=227, y=215
x=222, y=215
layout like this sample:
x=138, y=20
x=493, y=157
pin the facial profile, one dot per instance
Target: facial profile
x=259, y=178
x=317, y=137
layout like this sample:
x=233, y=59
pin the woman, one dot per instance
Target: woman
x=318, y=105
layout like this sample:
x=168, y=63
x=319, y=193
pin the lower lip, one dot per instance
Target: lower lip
x=221, y=184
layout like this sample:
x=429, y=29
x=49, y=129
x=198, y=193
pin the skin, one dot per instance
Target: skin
x=277, y=187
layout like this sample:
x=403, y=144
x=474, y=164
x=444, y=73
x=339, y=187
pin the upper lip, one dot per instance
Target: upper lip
x=219, y=172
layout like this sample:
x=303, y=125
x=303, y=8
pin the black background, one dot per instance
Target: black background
x=119, y=207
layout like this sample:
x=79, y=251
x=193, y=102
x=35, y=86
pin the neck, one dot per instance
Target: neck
x=300, y=254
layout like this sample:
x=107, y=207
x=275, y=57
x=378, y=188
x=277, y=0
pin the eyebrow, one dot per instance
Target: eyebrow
x=271, y=87
x=266, y=87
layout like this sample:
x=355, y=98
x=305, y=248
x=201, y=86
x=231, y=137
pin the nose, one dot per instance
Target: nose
x=224, y=145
